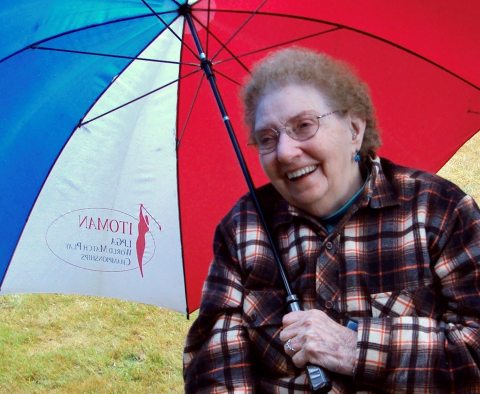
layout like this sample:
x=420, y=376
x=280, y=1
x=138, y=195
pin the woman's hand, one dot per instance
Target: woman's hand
x=316, y=339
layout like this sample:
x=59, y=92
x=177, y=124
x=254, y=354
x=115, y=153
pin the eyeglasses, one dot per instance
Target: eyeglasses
x=299, y=128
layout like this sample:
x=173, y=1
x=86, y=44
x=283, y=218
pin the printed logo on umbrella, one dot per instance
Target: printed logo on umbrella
x=103, y=239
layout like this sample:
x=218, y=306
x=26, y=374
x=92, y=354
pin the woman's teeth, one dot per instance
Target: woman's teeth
x=301, y=172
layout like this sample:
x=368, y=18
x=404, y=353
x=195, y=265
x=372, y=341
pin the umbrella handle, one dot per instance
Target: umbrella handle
x=317, y=377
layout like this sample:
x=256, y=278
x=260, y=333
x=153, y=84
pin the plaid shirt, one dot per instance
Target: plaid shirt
x=403, y=262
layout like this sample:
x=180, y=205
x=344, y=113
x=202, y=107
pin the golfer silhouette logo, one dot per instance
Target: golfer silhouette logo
x=143, y=229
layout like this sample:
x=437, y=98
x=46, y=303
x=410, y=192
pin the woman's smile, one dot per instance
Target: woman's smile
x=300, y=173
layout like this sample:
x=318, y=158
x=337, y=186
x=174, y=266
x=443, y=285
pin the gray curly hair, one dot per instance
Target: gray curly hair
x=334, y=78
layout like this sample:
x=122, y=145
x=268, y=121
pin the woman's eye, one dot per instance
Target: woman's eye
x=265, y=139
x=305, y=125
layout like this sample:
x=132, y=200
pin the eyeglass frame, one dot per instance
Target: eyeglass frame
x=285, y=130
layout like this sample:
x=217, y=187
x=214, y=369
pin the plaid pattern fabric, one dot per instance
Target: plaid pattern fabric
x=403, y=262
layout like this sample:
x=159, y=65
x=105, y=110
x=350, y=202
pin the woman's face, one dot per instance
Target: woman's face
x=318, y=175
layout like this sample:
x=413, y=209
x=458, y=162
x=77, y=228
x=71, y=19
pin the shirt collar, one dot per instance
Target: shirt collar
x=379, y=190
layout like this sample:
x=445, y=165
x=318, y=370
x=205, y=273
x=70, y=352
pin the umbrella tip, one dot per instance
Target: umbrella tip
x=184, y=9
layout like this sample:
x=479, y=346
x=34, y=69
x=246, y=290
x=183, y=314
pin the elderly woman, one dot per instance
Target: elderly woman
x=394, y=249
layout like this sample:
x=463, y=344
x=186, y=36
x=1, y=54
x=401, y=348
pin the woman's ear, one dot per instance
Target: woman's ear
x=357, y=127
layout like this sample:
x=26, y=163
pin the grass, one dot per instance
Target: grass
x=464, y=168
x=72, y=344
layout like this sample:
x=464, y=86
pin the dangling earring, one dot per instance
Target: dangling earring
x=357, y=157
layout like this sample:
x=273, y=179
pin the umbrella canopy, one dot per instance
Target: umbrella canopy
x=115, y=165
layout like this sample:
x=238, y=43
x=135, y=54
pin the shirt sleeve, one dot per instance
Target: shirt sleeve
x=217, y=357
x=434, y=353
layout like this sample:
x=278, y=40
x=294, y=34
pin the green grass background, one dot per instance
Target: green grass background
x=73, y=344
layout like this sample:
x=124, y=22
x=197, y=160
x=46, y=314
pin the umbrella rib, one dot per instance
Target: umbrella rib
x=81, y=29
x=413, y=53
x=371, y=35
x=280, y=44
x=227, y=77
x=235, y=33
x=169, y=28
x=190, y=110
x=138, y=98
x=237, y=57
x=111, y=55
x=223, y=45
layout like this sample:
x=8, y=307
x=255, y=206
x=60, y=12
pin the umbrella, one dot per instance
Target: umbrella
x=115, y=163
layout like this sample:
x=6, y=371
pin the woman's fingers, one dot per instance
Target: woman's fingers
x=312, y=337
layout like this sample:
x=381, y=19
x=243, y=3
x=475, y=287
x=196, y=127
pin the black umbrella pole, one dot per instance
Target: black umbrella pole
x=319, y=380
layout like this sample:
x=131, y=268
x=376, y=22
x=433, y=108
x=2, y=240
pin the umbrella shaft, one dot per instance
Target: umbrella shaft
x=207, y=67
x=319, y=380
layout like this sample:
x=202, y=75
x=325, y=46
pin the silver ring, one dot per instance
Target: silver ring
x=289, y=346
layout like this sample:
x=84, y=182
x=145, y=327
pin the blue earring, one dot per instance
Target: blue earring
x=357, y=157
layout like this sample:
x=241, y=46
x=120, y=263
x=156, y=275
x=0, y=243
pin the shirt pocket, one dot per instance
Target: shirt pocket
x=421, y=301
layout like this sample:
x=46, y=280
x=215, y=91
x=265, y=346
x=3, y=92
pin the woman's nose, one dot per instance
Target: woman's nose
x=287, y=148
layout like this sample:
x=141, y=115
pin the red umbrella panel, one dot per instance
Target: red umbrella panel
x=427, y=98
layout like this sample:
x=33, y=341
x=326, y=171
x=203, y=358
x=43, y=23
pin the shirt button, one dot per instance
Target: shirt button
x=328, y=304
x=253, y=317
x=329, y=245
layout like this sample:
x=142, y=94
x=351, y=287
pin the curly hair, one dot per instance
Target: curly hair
x=334, y=78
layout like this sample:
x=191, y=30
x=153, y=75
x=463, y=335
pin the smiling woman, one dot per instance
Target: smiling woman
x=360, y=237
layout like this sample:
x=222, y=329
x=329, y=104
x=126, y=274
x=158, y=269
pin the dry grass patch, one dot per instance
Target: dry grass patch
x=69, y=344
x=464, y=168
